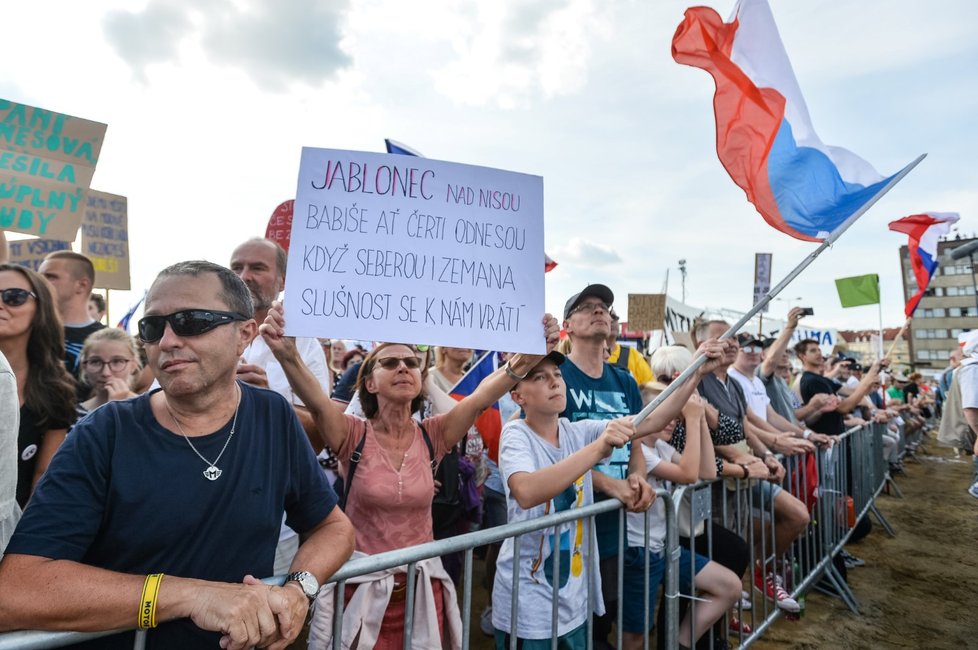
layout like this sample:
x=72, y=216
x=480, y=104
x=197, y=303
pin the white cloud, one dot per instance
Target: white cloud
x=510, y=54
x=579, y=252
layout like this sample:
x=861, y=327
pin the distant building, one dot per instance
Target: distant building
x=948, y=308
x=863, y=346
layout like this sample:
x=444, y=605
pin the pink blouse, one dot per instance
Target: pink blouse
x=391, y=509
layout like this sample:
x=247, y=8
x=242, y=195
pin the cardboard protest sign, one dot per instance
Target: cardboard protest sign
x=46, y=164
x=31, y=252
x=399, y=248
x=646, y=311
x=105, y=239
x=279, y=228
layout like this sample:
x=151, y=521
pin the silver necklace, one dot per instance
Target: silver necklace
x=212, y=473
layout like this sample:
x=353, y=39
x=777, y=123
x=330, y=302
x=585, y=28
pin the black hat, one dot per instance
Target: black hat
x=746, y=338
x=768, y=342
x=596, y=290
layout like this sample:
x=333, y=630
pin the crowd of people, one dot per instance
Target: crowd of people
x=156, y=479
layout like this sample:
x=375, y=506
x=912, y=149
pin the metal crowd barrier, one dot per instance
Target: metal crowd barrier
x=854, y=469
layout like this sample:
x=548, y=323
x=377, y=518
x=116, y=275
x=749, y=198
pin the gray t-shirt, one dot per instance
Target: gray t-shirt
x=522, y=450
x=780, y=394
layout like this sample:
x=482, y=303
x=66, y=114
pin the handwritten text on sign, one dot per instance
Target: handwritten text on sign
x=407, y=249
x=105, y=239
x=46, y=164
x=31, y=252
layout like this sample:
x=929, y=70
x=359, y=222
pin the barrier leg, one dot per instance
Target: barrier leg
x=139, y=642
x=467, y=599
x=841, y=588
x=409, y=605
x=880, y=518
x=338, y=603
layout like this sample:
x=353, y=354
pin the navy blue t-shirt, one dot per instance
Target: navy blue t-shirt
x=615, y=394
x=125, y=494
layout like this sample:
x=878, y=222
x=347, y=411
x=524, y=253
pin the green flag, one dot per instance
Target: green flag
x=859, y=290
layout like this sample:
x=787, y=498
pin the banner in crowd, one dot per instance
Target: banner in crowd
x=31, y=252
x=105, y=239
x=389, y=247
x=47, y=160
x=762, y=278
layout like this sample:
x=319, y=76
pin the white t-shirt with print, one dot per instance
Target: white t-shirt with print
x=754, y=391
x=522, y=450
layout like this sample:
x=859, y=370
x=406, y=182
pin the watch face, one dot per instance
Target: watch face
x=308, y=582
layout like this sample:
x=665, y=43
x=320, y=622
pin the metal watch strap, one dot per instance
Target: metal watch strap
x=306, y=581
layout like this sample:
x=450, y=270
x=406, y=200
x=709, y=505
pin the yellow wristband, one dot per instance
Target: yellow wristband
x=147, y=604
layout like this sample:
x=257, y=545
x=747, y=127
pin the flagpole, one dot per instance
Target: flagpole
x=879, y=306
x=897, y=338
x=769, y=296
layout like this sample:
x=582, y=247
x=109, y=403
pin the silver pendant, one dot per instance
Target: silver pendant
x=212, y=473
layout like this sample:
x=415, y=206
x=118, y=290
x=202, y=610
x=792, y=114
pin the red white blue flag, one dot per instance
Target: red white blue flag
x=490, y=422
x=124, y=321
x=924, y=231
x=765, y=137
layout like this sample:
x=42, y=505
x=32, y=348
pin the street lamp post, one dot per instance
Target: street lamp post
x=682, y=271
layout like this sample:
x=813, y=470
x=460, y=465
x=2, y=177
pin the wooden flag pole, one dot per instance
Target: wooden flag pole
x=769, y=296
x=897, y=338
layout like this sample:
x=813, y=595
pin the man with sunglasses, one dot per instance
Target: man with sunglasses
x=261, y=265
x=164, y=509
x=72, y=276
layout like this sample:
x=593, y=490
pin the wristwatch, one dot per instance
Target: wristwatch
x=307, y=582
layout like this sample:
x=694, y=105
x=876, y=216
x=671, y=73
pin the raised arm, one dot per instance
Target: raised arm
x=327, y=414
x=865, y=385
x=781, y=343
x=533, y=488
x=458, y=420
x=673, y=405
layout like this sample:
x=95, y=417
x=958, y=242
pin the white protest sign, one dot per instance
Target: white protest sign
x=413, y=250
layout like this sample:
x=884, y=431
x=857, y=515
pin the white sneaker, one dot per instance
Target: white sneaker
x=745, y=603
x=485, y=622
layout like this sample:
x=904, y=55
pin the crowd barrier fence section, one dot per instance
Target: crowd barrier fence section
x=838, y=488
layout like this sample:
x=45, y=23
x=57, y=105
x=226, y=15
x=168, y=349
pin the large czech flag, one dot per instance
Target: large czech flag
x=765, y=137
x=924, y=231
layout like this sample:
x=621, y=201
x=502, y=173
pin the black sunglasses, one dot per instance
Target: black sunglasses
x=16, y=297
x=189, y=322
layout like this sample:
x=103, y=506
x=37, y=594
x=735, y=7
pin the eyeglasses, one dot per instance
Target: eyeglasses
x=591, y=306
x=189, y=322
x=16, y=297
x=391, y=363
x=752, y=349
x=115, y=364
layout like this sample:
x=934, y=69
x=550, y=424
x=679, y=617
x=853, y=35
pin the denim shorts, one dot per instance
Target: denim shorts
x=633, y=587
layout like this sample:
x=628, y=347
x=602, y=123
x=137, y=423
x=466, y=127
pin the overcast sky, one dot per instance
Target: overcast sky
x=208, y=104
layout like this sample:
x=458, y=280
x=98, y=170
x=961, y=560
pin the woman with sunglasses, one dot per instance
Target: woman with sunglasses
x=389, y=500
x=109, y=365
x=32, y=339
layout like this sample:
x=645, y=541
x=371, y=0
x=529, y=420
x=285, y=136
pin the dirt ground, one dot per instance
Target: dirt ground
x=917, y=589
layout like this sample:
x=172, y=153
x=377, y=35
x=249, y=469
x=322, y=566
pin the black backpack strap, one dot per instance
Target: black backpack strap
x=623, y=352
x=352, y=466
x=431, y=448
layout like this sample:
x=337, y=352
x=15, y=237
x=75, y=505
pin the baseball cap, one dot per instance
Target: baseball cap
x=597, y=290
x=746, y=338
x=554, y=357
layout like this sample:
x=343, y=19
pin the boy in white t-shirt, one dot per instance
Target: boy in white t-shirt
x=545, y=462
x=718, y=586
